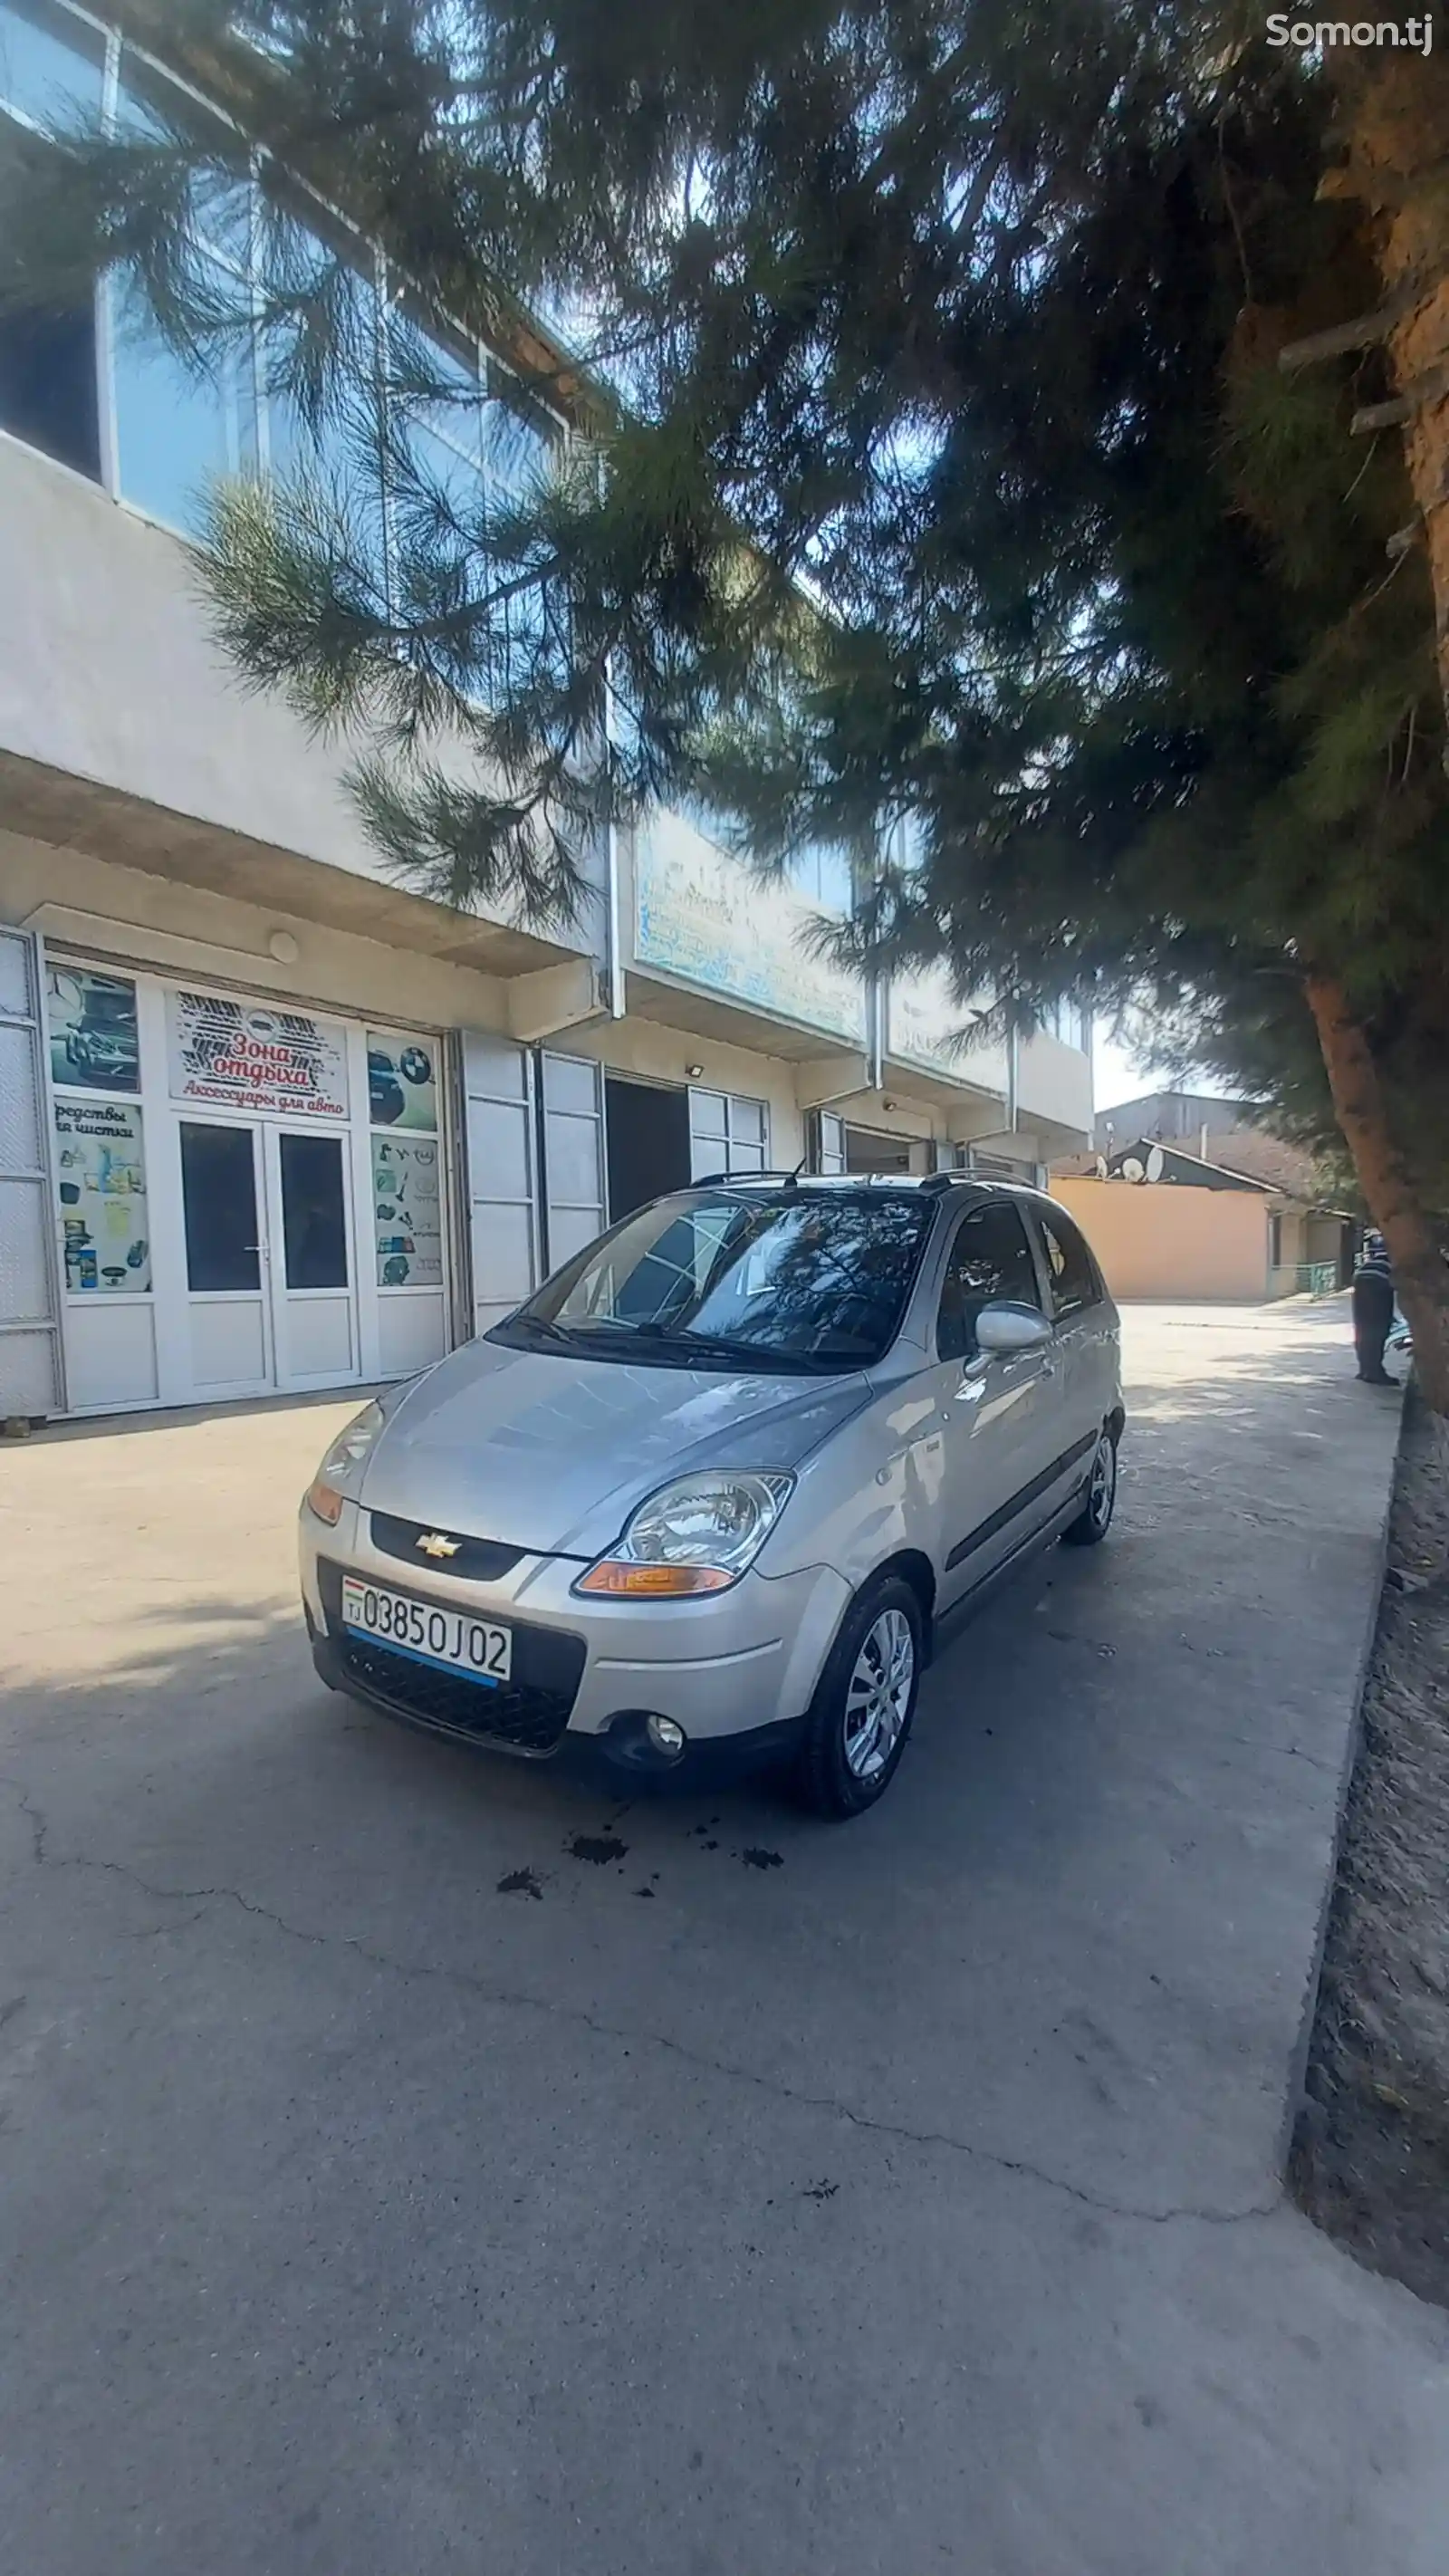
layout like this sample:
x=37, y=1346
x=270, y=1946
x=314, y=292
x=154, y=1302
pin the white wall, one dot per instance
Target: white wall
x=1054, y=1084
x=109, y=673
x=162, y=924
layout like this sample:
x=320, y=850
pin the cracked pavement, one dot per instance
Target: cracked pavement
x=913, y=2203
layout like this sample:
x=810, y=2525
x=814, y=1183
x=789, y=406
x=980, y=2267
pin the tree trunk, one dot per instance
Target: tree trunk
x=1409, y=1228
x=1397, y=122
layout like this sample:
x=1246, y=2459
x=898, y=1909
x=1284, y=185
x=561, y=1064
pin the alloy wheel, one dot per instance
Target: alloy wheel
x=1102, y=1492
x=878, y=1694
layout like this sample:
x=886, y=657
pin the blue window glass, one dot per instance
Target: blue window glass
x=50, y=65
x=156, y=109
x=176, y=428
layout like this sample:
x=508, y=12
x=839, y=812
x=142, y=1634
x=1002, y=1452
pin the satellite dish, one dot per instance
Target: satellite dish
x=1155, y=1163
x=1101, y=1167
x=1132, y=1170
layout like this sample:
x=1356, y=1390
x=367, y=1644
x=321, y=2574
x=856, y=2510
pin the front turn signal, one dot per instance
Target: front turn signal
x=616, y=1576
x=326, y=1502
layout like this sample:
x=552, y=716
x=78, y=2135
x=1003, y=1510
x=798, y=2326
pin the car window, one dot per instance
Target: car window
x=1073, y=1273
x=802, y=1278
x=989, y=1259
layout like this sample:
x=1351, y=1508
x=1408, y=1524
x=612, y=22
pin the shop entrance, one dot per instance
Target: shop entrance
x=870, y=1149
x=648, y=1149
x=270, y=1275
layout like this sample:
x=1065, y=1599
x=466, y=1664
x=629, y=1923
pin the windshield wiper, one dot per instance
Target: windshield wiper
x=555, y=1333
x=753, y=1355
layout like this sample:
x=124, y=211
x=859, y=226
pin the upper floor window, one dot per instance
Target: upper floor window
x=51, y=69
x=51, y=64
x=1068, y=1022
x=823, y=873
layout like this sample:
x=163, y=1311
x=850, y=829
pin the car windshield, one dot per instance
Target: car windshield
x=802, y=1280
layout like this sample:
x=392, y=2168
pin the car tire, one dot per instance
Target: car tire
x=1095, y=1517
x=865, y=1701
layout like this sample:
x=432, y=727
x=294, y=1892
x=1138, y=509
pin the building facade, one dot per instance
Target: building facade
x=270, y=1122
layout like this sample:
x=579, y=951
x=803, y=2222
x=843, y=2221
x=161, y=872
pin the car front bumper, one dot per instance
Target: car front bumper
x=736, y=1670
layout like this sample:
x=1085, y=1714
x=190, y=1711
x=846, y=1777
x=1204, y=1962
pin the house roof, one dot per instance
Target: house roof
x=1283, y=1170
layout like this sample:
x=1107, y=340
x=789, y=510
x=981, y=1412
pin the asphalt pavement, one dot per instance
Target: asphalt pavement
x=408, y=2163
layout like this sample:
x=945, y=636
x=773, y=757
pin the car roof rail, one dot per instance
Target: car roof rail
x=711, y=1180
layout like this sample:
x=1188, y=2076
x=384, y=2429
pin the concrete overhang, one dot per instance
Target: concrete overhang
x=727, y=1019
x=53, y=806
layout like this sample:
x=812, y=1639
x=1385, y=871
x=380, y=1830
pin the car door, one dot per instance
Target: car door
x=1085, y=1334
x=997, y=1418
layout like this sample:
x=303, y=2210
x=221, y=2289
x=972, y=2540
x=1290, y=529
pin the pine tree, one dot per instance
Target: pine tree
x=1007, y=438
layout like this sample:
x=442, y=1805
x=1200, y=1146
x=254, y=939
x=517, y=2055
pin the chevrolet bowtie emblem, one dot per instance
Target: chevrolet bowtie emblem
x=433, y=1543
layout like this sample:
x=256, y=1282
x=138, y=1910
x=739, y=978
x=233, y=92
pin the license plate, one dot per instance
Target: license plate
x=453, y=1639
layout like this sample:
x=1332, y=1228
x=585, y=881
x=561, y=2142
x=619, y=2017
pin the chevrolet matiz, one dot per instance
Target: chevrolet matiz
x=701, y=1502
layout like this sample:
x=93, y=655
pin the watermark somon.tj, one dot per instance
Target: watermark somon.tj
x=1316, y=35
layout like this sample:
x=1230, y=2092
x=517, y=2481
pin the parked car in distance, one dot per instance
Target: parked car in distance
x=700, y=1502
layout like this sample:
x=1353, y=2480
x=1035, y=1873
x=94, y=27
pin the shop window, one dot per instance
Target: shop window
x=314, y=1211
x=729, y=1133
x=407, y=1207
x=101, y=1179
x=219, y=1201
x=94, y=1045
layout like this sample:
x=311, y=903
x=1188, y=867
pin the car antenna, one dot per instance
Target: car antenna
x=792, y=1179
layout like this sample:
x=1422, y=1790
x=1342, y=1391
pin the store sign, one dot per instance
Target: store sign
x=703, y=916
x=93, y=1038
x=101, y=1178
x=402, y=1080
x=247, y=1056
x=407, y=1212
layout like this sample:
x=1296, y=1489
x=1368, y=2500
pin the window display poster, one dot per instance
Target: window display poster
x=93, y=1040
x=407, y=1213
x=402, y=1080
x=101, y=1175
x=252, y=1057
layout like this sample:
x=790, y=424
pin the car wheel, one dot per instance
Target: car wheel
x=1095, y=1517
x=864, y=1703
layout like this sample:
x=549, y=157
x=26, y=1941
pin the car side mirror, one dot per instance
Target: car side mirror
x=1005, y=1329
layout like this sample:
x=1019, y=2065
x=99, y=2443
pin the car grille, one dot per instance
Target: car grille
x=478, y=1560
x=525, y=1715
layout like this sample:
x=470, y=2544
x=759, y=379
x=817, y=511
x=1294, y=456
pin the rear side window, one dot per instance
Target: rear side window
x=1070, y=1267
x=990, y=1258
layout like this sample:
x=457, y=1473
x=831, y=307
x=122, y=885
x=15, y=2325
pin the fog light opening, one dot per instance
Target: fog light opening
x=666, y=1736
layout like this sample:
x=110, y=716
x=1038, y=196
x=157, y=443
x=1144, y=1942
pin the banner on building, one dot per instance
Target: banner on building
x=93, y=1038
x=407, y=1212
x=247, y=1056
x=402, y=1080
x=101, y=1177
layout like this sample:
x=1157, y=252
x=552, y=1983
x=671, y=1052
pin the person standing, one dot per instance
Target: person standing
x=1373, y=1310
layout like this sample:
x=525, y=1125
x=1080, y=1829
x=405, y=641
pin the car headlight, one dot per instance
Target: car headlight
x=337, y=1477
x=699, y=1535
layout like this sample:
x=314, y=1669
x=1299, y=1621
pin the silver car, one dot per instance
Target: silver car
x=702, y=1501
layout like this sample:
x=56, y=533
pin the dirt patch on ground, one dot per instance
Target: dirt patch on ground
x=1370, y=2159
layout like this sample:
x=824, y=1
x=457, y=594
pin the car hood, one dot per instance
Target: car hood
x=550, y=1453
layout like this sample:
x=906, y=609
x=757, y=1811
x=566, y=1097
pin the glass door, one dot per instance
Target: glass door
x=226, y=1258
x=313, y=1274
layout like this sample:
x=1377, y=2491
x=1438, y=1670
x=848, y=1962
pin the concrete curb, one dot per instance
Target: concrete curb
x=1296, y=2093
